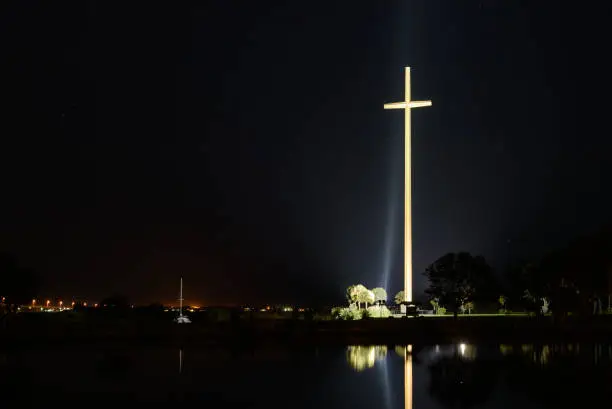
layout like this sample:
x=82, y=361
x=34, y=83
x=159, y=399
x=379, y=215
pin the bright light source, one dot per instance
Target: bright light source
x=462, y=348
x=407, y=104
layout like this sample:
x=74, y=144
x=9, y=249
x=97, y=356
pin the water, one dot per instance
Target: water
x=381, y=377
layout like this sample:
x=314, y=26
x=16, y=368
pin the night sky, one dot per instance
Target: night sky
x=243, y=145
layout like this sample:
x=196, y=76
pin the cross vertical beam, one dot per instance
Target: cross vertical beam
x=407, y=105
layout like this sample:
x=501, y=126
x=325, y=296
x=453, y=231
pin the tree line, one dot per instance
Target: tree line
x=576, y=278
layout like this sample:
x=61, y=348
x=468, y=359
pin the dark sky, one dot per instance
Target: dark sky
x=244, y=146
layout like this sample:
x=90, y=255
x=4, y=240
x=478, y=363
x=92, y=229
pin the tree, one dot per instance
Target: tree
x=435, y=303
x=365, y=296
x=455, y=277
x=502, y=302
x=528, y=285
x=380, y=295
x=574, y=278
x=399, y=297
x=358, y=294
x=351, y=294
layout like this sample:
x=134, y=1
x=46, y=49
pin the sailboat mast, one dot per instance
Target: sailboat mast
x=181, y=299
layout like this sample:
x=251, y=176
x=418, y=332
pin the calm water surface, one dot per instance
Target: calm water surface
x=381, y=377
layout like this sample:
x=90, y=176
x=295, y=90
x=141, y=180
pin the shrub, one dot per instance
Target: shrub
x=346, y=314
x=378, y=311
x=441, y=310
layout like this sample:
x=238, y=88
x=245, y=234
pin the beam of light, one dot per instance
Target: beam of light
x=384, y=367
x=391, y=224
x=389, y=242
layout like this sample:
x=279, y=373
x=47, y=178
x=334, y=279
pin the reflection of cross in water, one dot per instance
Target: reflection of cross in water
x=408, y=377
x=180, y=360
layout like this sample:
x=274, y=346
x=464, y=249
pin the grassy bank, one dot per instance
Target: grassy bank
x=158, y=328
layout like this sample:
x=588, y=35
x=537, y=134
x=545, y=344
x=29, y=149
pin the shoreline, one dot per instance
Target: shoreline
x=489, y=330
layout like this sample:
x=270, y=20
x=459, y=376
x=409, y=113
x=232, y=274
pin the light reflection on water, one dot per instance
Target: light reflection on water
x=381, y=376
x=363, y=357
x=458, y=377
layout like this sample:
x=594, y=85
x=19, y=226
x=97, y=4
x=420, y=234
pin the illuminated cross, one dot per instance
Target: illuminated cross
x=407, y=106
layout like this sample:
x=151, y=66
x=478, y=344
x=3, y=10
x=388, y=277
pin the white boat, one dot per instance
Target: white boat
x=181, y=319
